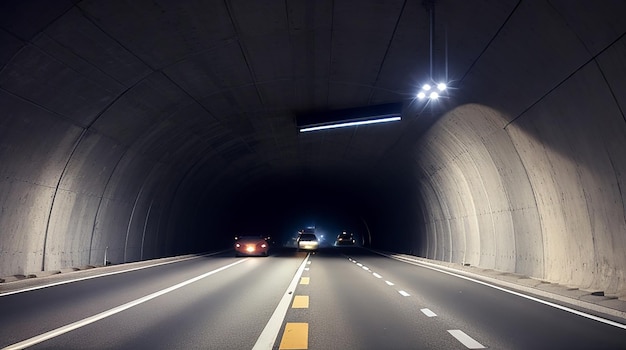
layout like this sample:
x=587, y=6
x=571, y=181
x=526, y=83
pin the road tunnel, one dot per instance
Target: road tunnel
x=131, y=131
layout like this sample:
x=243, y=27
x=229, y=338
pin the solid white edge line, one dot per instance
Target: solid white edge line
x=62, y=330
x=539, y=292
x=269, y=334
x=105, y=274
x=465, y=339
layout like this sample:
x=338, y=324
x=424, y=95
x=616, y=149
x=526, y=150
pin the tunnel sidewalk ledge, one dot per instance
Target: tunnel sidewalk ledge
x=41, y=279
x=609, y=304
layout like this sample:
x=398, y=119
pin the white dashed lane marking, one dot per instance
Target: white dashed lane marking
x=458, y=334
x=465, y=339
x=428, y=313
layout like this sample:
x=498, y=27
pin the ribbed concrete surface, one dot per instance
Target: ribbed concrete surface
x=138, y=130
x=541, y=194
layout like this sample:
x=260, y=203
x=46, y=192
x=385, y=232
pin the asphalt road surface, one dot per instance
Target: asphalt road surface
x=348, y=298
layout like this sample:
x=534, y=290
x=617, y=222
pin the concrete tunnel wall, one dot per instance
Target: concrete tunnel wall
x=527, y=177
x=531, y=178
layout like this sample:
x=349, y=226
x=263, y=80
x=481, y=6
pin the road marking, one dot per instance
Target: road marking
x=377, y=275
x=359, y=264
x=296, y=336
x=389, y=283
x=304, y=280
x=465, y=339
x=403, y=293
x=365, y=268
x=72, y=326
x=270, y=332
x=306, y=269
x=300, y=302
x=443, y=269
x=308, y=262
x=428, y=313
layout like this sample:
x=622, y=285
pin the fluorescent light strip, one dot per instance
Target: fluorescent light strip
x=343, y=125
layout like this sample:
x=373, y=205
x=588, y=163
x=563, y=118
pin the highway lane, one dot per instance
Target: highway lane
x=361, y=300
x=344, y=299
x=225, y=310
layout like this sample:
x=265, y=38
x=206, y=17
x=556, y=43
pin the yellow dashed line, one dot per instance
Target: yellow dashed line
x=296, y=336
x=304, y=280
x=300, y=302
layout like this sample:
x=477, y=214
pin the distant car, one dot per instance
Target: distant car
x=308, y=241
x=345, y=238
x=251, y=245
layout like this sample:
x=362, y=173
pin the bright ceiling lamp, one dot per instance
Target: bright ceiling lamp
x=324, y=120
x=431, y=95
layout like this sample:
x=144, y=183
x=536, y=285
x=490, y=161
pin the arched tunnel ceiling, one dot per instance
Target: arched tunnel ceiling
x=126, y=123
x=220, y=82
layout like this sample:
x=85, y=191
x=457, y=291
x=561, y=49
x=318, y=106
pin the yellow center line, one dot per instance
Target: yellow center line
x=300, y=302
x=296, y=336
x=304, y=280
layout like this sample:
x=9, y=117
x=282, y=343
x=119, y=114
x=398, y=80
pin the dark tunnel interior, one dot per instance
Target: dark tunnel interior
x=137, y=130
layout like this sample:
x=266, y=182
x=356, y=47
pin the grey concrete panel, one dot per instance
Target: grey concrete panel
x=34, y=145
x=532, y=54
x=612, y=63
x=357, y=51
x=77, y=202
x=70, y=230
x=469, y=27
x=9, y=46
x=91, y=165
x=212, y=71
x=166, y=32
x=574, y=177
x=18, y=17
x=174, y=139
x=153, y=99
x=601, y=24
x=109, y=235
x=310, y=24
x=274, y=48
x=34, y=148
x=40, y=77
x=24, y=214
x=223, y=104
x=94, y=51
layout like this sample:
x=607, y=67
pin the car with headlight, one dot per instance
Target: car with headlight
x=345, y=238
x=251, y=245
x=308, y=241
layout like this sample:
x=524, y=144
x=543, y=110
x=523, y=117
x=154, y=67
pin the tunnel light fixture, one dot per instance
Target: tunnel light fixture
x=432, y=95
x=368, y=115
x=343, y=125
x=427, y=92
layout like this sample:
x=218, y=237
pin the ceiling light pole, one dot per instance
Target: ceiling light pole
x=428, y=91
